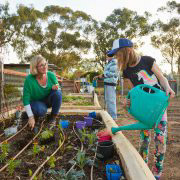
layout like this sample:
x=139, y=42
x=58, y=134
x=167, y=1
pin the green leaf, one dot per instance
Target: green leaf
x=72, y=162
x=30, y=172
x=47, y=134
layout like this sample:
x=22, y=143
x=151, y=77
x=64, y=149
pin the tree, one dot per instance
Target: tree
x=168, y=37
x=64, y=36
x=122, y=23
x=59, y=34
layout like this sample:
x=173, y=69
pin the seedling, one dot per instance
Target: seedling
x=81, y=160
x=47, y=134
x=30, y=172
x=37, y=149
x=92, y=138
x=52, y=161
x=5, y=148
x=12, y=165
x=61, y=174
x=83, y=134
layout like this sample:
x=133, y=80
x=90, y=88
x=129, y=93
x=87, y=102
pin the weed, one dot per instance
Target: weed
x=52, y=161
x=5, y=148
x=12, y=165
x=81, y=160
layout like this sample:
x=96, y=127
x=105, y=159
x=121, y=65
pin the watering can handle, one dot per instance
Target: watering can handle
x=153, y=88
x=148, y=86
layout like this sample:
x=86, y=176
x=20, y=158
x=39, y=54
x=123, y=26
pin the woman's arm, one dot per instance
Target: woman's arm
x=163, y=81
x=55, y=82
x=26, y=102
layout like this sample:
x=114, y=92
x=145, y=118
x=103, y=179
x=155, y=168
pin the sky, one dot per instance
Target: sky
x=99, y=10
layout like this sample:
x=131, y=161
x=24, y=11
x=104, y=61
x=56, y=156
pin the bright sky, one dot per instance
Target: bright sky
x=99, y=10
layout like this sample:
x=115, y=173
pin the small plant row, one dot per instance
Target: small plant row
x=13, y=163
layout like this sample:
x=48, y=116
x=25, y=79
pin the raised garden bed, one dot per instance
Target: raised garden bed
x=66, y=146
x=77, y=101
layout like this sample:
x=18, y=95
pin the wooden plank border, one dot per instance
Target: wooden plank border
x=134, y=166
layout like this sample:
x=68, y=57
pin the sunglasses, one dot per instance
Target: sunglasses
x=42, y=65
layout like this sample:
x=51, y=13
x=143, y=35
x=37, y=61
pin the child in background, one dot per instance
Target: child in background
x=110, y=81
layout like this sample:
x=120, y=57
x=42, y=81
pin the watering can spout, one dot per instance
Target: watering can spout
x=136, y=126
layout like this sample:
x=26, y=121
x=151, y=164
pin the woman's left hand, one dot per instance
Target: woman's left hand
x=55, y=87
x=171, y=92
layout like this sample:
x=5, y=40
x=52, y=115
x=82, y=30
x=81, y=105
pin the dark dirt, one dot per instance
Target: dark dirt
x=30, y=162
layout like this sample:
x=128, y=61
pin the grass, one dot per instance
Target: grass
x=72, y=98
x=77, y=100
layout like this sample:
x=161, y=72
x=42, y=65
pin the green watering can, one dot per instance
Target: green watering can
x=148, y=105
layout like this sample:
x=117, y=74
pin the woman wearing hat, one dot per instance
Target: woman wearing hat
x=143, y=70
x=110, y=77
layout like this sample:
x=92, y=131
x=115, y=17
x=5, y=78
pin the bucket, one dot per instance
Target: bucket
x=113, y=172
x=104, y=138
x=148, y=104
x=64, y=123
x=105, y=150
x=88, y=121
x=80, y=124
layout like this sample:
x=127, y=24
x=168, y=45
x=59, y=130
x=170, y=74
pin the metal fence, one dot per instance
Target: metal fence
x=11, y=89
x=12, y=82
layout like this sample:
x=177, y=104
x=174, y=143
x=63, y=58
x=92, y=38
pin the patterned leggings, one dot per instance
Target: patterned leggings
x=160, y=138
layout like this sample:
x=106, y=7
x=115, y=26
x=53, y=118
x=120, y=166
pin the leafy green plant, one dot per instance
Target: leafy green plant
x=83, y=134
x=12, y=165
x=5, y=148
x=36, y=149
x=52, y=161
x=81, y=160
x=91, y=138
x=30, y=172
x=62, y=175
x=47, y=134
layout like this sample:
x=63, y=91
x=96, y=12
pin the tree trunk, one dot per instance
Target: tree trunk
x=178, y=63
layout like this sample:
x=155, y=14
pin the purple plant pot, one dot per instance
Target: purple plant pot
x=88, y=121
x=80, y=124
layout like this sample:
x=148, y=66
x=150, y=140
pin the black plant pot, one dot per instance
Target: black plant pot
x=105, y=150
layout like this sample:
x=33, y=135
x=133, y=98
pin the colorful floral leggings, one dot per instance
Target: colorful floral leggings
x=160, y=138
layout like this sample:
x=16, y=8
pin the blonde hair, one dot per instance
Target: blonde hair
x=34, y=62
x=128, y=57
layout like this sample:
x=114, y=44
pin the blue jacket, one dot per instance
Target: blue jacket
x=111, y=72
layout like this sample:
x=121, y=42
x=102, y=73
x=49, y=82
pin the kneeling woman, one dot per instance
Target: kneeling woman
x=41, y=91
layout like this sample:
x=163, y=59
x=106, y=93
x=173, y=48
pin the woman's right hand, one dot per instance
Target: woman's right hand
x=31, y=122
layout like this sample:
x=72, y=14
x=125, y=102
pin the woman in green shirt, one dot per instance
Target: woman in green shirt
x=41, y=91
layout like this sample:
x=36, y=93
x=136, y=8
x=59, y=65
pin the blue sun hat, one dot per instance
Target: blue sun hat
x=118, y=44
